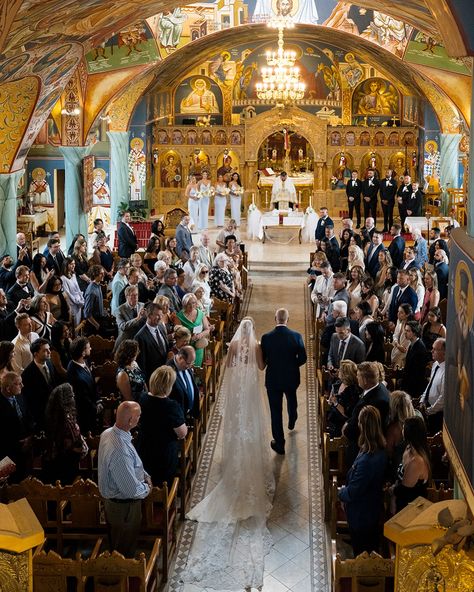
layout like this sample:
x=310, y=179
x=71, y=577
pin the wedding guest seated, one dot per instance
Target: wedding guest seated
x=401, y=408
x=194, y=319
x=363, y=493
x=399, y=340
x=83, y=383
x=17, y=425
x=162, y=426
x=185, y=390
x=413, y=379
x=22, y=354
x=432, y=399
x=22, y=288
x=344, y=395
x=65, y=443
x=344, y=345
x=201, y=280
x=152, y=340
x=220, y=279
x=374, y=393
x=60, y=344
x=131, y=381
x=433, y=328
x=39, y=378
x=72, y=290
x=130, y=316
x=57, y=300
x=414, y=472
x=374, y=340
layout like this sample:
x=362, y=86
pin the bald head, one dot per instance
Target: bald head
x=281, y=316
x=128, y=414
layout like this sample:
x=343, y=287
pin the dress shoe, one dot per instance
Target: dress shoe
x=278, y=449
x=291, y=423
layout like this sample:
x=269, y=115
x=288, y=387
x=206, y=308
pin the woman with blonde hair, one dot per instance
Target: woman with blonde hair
x=79, y=255
x=162, y=425
x=356, y=257
x=401, y=408
x=182, y=337
x=385, y=261
x=344, y=395
x=431, y=297
x=363, y=493
x=356, y=275
x=168, y=318
x=400, y=341
x=416, y=283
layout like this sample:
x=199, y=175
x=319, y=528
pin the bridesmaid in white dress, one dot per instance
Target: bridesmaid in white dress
x=193, y=200
x=220, y=201
x=206, y=190
x=235, y=187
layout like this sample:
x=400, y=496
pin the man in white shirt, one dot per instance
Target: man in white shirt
x=205, y=254
x=432, y=400
x=284, y=192
x=22, y=355
x=323, y=289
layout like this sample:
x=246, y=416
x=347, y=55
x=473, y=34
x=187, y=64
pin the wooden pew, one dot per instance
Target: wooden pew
x=101, y=349
x=365, y=573
x=53, y=572
x=185, y=472
x=333, y=465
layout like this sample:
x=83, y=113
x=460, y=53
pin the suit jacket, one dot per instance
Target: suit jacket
x=370, y=190
x=184, y=240
x=379, y=397
x=372, y=266
x=408, y=297
x=413, y=379
x=57, y=264
x=320, y=231
x=175, y=300
x=7, y=276
x=388, y=192
x=355, y=350
x=144, y=294
x=128, y=324
x=85, y=392
x=442, y=273
x=443, y=244
x=13, y=430
x=414, y=203
x=127, y=241
x=411, y=265
x=7, y=324
x=27, y=259
x=333, y=253
x=404, y=194
x=151, y=355
x=354, y=191
x=16, y=293
x=396, y=249
x=283, y=352
x=36, y=391
x=179, y=392
x=206, y=256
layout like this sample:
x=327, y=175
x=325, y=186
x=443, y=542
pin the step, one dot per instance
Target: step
x=283, y=270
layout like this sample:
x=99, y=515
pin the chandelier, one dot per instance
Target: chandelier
x=281, y=78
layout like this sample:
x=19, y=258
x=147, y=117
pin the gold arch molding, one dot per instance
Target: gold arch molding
x=258, y=128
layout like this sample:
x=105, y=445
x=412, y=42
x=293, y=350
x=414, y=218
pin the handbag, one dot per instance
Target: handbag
x=201, y=343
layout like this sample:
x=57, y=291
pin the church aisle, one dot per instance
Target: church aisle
x=298, y=559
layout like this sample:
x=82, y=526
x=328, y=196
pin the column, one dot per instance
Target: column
x=119, y=186
x=449, y=166
x=75, y=217
x=8, y=210
x=470, y=209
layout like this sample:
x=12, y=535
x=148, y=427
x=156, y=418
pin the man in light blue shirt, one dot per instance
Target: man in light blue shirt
x=123, y=482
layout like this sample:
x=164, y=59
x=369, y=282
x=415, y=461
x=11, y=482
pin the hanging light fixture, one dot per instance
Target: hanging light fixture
x=280, y=78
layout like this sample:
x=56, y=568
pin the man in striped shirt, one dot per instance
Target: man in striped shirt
x=123, y=482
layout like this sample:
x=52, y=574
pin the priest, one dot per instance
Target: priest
x=284, y=192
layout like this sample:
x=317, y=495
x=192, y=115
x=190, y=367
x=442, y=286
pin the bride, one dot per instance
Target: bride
x=232, y=539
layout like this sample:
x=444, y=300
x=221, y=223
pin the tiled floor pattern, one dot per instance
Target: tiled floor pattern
x=298, y=559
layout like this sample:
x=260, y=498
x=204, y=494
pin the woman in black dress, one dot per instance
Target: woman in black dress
x=374, y=340
x=60, y=343
x=162, y=424
x=131, y=381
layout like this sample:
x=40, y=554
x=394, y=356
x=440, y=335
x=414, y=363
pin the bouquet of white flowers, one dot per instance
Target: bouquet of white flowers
x=252, y=207
x=237, y=190
x=309, y=210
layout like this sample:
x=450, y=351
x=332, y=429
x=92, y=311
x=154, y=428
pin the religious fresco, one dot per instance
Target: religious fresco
x=137, y=169
x=132, y=46
x=171, y=170
x=40, y=173
x=429, y=51
x=197, y=96
x=375, y=99
x=100, y=190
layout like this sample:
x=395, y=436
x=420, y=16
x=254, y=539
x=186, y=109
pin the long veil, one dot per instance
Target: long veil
x=230, y=544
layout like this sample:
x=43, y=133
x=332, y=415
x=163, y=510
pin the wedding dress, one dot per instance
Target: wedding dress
x=232, y=539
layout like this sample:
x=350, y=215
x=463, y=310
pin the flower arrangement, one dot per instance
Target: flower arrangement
x=237, y=190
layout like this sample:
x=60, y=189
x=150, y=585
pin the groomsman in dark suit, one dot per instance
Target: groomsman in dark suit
x=22, y=288
x=403, y=195
x=370, y=188
x=415, y=200
x=353, y=192
x=397, y=247
x=283, y=353
x=388, y=190
x=185, y=390
x=152, y=341
x=127, y=239
x=324, y=220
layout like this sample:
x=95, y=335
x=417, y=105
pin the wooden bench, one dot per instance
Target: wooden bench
x=101, y=349
x=365, y=573
x=333, y=465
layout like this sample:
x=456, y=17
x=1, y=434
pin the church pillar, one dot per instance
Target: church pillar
x=119, y=186
x=449, y=166
x=470, y=208
x=8, y=209
x=75, y=217
x=318, y=176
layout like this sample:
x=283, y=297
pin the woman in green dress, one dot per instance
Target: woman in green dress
x=193, y=319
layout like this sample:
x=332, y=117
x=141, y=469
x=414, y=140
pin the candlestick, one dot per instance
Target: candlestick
x=310, y=200
x=266, y=198
x=253, y=197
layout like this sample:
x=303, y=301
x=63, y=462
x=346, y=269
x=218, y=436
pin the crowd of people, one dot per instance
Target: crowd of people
x=379, y=308
x=156, y=307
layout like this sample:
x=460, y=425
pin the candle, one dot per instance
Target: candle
x=253, y=197
x=310, y=200
x=299, y=195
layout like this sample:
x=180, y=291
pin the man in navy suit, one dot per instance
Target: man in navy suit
x=402, y=293
x=353, y=192
x=152, y=341
x=388, y=189
x=185, y=390
x=127, y=240
x=372, y=264
x=397, y=247
x=324, y=220
x=283, y=353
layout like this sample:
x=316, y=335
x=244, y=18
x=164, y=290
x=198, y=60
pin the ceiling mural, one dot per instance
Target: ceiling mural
x=429, y=51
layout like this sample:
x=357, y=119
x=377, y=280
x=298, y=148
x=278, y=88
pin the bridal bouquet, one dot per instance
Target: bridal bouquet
x=309, y=210
x=209, y=192
x=252, y=207
x=237, y=190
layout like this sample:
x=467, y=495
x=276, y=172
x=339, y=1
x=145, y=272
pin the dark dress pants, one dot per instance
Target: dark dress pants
x=370, y=209
x=275, y=399
x=124, y=519
x=354, y=205
x=387, y=215
x=403, y=214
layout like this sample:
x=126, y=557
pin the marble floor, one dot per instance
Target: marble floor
x=298, y=560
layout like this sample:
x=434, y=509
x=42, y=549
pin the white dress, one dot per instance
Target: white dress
x=220, y=203
x=193, y=207
x=205, y=190
x=235, y=201
x=232, y=540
